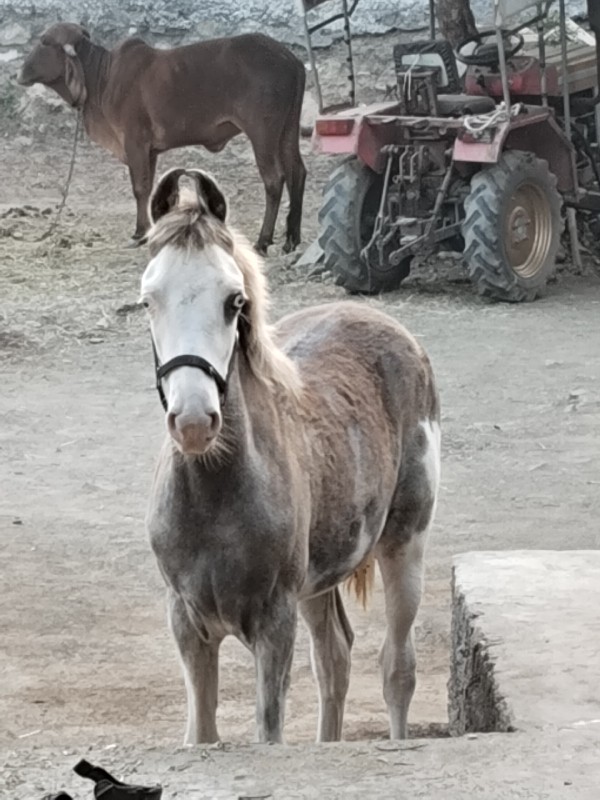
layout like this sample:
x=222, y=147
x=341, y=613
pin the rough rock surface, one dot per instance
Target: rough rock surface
x=376, y=25
x=224, y=17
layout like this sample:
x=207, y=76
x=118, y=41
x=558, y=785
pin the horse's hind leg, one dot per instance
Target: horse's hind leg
x=331, y=642
x=400, y=556
x=401, y=570
x=200, y=662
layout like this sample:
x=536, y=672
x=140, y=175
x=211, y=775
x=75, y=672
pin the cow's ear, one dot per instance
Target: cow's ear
x=74, y=77
x=210, y=194
x=166, y=195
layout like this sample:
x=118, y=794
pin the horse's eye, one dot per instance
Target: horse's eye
x=238, y=300
x=233, y=306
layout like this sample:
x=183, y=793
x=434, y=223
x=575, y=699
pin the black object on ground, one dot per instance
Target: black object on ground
x=109, y=788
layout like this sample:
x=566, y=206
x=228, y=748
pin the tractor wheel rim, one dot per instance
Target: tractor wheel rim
x=528, y=230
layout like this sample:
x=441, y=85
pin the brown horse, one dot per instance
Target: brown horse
x=294, y=457
x=138, y=102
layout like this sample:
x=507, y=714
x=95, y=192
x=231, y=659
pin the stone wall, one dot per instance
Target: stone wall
x=176, y=21
x=376, y=24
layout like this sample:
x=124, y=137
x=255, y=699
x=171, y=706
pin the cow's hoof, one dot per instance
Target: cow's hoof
x=290, y=245
x=135, y=241
x=261, y=248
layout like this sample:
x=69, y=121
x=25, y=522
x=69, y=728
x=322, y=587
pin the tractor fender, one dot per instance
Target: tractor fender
x=536, y=132
x=360, y=132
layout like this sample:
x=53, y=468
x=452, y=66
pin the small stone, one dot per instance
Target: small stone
x=14, y=33
x=311, y=256
x=9, y=55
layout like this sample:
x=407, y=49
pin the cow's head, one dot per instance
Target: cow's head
x=55, y=63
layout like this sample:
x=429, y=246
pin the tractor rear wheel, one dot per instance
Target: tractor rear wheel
x=512, y=228
x=347, y=216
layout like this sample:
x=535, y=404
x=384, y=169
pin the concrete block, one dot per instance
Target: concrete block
x=525, y=641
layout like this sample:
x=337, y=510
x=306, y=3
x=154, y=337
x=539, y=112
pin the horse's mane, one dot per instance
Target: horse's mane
x=188, y=226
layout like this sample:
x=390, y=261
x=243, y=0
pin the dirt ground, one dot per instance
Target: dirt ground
x=86, y=656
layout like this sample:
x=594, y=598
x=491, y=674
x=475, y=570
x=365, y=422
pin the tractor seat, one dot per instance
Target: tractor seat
x=456, y=105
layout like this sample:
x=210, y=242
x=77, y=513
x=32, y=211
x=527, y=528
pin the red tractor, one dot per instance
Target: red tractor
x=481, y=163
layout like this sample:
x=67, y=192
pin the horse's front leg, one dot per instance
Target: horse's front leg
x=200, y=660
x=273, y=652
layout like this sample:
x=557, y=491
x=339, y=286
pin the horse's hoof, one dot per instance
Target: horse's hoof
x=261, y=248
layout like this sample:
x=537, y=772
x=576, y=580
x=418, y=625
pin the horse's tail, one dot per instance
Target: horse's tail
x=362, y=579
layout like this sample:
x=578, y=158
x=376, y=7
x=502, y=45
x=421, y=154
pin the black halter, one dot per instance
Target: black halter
x=186, y=361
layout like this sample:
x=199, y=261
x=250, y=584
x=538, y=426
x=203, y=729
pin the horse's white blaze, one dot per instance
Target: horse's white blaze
x=187, y=292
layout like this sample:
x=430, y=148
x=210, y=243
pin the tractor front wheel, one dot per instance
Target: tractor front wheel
x=347, y=216
x=512, y=227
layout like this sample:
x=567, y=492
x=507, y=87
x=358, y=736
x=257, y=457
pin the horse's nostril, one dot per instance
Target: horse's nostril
x=208, y=423
x=171, y=422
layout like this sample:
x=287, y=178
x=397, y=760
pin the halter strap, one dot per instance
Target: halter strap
x=186, y=361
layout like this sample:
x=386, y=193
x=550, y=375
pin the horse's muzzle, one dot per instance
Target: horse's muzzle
x=195, y=434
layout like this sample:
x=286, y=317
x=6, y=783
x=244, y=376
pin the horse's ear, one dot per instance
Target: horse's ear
x=166, y=195
x=210, y=194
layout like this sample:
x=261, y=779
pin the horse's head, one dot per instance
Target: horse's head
x=194, y=292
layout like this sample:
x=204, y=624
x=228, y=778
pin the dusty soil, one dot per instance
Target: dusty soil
x=86, y=656
x=551, y=765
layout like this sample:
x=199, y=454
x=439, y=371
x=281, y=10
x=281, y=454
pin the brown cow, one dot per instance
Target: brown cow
x=138, y=101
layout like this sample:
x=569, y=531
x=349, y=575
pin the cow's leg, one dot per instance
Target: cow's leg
x=331, y=642
x=295, y=178
x=400, y=557
x=267, y=161
x=273, y=648
x=200, y=660
x=142, y=167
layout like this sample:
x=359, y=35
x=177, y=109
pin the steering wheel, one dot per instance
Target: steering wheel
x=486, y=53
